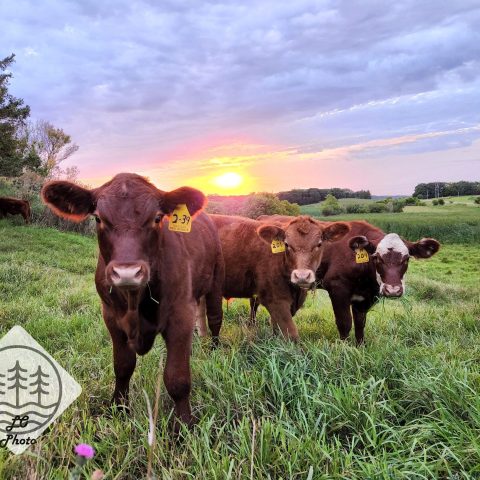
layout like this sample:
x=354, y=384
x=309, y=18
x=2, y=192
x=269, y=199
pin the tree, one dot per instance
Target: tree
x=15, y=153
x=51, y=144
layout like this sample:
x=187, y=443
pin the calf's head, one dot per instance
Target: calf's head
x=303, y=238
x=128, y=211
x=391, y=256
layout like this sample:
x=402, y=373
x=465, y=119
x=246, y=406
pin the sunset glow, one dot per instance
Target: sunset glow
x=228, y=180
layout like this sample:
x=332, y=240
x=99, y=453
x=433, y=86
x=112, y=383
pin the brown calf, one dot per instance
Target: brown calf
x=279, y=280
x=364, y=265
x=148, y=277
x=14, y=206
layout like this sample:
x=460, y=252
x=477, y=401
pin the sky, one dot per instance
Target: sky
x=234, y=97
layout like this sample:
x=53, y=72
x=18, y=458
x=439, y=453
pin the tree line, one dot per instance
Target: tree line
x=314, y=195
x=446, y=189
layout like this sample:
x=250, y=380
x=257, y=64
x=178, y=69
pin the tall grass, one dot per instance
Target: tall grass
x=405, y=406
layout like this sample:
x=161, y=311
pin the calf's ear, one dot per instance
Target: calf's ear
x=68, y=200
x=335, y=231
x=360, y=241
x=194, y=200
x=424, y=248
x=268, y=233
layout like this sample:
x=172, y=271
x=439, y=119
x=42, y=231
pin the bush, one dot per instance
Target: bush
x=377, y=207
x=435, y=202
x=412, y=201
x=477, y=200
x=268, y=204
x=441, y=201
x=356, y=208
x=331, y=206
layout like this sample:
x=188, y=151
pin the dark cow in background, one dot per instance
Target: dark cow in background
x=278, y=280
x=14, y=206
x=362, y=266
x=148, y=277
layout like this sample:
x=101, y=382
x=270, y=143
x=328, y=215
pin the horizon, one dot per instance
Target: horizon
x=232, y=99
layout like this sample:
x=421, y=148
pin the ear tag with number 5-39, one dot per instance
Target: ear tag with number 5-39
x=180, y=219
x=277, y=246
x=361, y=255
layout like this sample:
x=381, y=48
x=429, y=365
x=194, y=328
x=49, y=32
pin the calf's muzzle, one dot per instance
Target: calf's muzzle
x=127, y=275
x=303, y=278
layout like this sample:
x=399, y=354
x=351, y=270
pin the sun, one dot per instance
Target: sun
x=228, y=180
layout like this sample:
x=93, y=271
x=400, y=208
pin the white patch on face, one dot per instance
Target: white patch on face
x=391, y=242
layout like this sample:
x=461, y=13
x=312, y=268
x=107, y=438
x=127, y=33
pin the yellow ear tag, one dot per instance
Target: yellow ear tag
x=277, y=246
x=180, y=219
x=361, y=255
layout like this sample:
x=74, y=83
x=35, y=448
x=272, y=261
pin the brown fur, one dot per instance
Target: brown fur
x=177, y=270
x=251, y=269
x=14, y=206
x=347, y=281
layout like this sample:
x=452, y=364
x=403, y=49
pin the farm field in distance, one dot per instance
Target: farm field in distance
x=455, y=222
x=406, y=405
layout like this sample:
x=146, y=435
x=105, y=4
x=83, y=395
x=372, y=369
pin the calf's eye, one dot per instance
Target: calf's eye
x=158, y=218
x=97, y=219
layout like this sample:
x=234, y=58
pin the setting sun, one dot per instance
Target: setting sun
x=229, y=180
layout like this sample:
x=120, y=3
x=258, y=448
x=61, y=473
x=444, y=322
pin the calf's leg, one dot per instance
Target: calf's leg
x=178, y=337
x=124, y=361
x=201, y=318
x=280, y=313
x=343, y=314
x=360, y=310
x=214, y=301
x=252, y=319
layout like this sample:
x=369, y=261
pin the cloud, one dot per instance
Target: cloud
x=132, y=81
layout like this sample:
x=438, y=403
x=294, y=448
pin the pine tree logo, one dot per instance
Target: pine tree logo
x=17, y=380
x=34, y=390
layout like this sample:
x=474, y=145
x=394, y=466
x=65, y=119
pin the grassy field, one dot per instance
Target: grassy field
x=404, y=406
x=456, y=222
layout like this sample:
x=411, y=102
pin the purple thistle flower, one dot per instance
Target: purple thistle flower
x=84, y=450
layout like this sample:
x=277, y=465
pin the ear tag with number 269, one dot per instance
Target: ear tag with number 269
x=361, y=255
x=180, y=219
x=277, y=246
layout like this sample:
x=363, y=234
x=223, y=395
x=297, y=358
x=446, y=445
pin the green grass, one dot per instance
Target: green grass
x=405, y=406
x=450, y=223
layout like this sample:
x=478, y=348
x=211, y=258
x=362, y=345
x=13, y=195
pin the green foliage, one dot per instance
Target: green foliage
x=15, y=153
x=477, y=200
x=446, y=189
x=252, y=205
x=404, y=406
x=435, y=202
x=356, y=208
x=314, y=195
x=441, y=201
x=331, y=206
x=377, y=207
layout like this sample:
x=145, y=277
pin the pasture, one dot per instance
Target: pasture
x=406, y=405
x=458, y=221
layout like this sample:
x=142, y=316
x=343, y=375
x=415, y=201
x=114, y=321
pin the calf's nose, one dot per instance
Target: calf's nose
x=393, y=290
x=127, y=275
x=303, y=277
